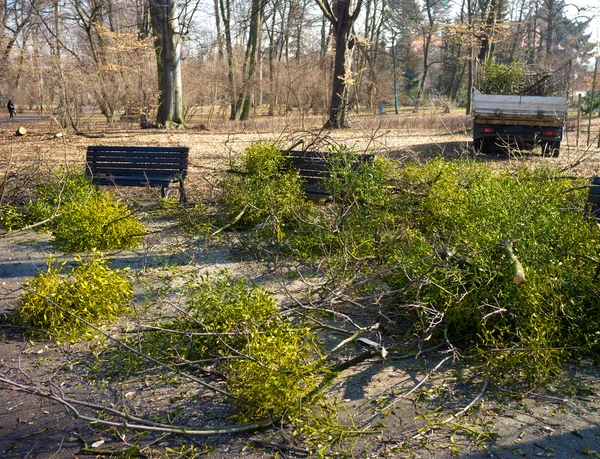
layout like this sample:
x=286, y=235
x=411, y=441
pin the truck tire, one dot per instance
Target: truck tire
x=551, y=149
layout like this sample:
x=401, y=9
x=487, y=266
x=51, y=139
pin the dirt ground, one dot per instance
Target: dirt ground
x=563, y=421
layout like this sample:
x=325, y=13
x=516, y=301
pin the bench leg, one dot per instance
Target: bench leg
x=164, y=190
x=182, y=195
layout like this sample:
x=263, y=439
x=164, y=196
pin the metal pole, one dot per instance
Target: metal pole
x=578, y=119
x=395, y=75
x=589, y=131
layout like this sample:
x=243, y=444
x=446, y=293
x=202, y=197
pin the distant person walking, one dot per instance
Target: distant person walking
x=11, y=109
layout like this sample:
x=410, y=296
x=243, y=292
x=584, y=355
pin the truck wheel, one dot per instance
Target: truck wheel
x=551, y=149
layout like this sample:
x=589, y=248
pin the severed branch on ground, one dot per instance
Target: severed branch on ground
x=457, y=414
x=517, y=268
x=367, y=422
x=129, y=421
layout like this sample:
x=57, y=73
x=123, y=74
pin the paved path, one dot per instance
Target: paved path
x=20, y=118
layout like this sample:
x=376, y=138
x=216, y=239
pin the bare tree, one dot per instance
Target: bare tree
x=170, y=21
x=242, y=110
x=342, y=16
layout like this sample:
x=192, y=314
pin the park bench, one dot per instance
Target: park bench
x=139, y=166
x=316, y=167
x=594, y=198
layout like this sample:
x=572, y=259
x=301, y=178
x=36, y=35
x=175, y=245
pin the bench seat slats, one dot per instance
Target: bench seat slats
x=164, y=176
x=140, y=150
x=316, y=167
x=144, y=158
x=138, y=166
x=594, y=198
x=148, y=158
x=135, y=167
x=130, y=181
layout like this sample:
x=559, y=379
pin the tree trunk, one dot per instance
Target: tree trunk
x=549, y=30
x=324, y=40
x=167, y=44
x=495, y=13
x=425, y=72
x=471, y=58
x=243, y=104
x=427, y=33
x=342, y=68
x=226, y=15
x=219, y=34
x=272, y=51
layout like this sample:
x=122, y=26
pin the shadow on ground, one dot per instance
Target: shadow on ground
x=460, y=150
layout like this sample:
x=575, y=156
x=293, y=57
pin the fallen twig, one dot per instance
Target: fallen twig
x=457, y=414
x=403, y=396
x=280, y=446
x=141, y=354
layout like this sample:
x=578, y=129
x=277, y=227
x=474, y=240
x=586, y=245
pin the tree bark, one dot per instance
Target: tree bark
x=167, y=44
x=342, y=20
x=225, y=6
x=249, y=68
x=219, y=34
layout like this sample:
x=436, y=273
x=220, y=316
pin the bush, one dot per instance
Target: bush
x=63, y=187
x=60, y=188
x=461, y=216
x=586, y=102
x=283, y=371
x=359, y=220
x=99, y=223
x=499, y=78
x=275, y=363
x=11, y=217
x=92, y=291
x=513, y=78
x=264, y=191
x=221, y=306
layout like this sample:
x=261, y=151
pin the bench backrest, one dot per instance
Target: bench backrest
x=315, y=167
x=594, y=198
x=136, y=166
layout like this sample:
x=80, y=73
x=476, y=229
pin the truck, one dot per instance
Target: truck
x=521, y=119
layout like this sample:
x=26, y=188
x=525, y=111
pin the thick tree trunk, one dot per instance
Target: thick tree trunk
x=549, y=30
x=272, y=51
x=249, y=68
x=341, y=19
x=219, y=34
x=342, y=73
x=425, y=72
x=167, y=45
x=225, y=6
